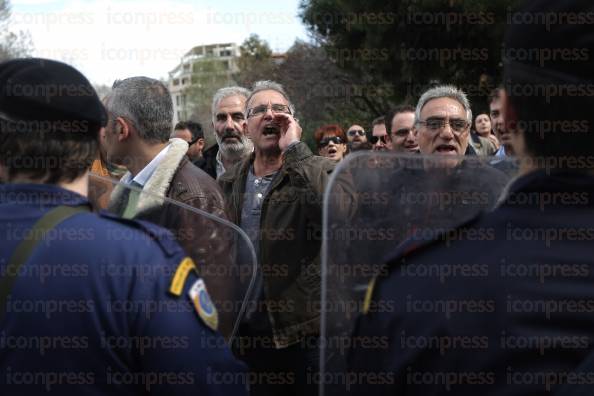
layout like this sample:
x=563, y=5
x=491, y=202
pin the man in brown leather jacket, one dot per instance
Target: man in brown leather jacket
x=137, y=137
x=276, y=197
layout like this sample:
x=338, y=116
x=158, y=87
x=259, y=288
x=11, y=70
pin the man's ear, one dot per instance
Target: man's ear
x=200, y=143
x=245, y=130
x=415, y=131
x=122, y=129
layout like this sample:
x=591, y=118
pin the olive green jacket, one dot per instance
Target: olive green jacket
x=290, y=231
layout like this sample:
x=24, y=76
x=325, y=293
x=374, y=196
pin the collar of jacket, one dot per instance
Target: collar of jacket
x=158, y=184
x=294, y=154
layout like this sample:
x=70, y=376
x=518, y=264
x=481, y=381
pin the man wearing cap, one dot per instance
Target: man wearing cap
x=514, y=315
x=89, y=304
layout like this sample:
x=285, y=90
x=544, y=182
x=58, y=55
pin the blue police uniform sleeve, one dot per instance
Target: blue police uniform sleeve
x=378, y=358
x=183, y=354
x=177, y=352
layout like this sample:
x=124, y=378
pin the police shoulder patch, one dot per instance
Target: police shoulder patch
x=368, y=296
x=181, y=274
x=203, y=304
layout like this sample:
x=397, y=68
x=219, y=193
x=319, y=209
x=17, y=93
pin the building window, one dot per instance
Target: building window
x=175, y=82
x=177, y=100
x=184, y=81
x=226, y=53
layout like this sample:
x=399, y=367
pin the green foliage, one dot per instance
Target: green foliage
x=255, y=61
x=407, y=45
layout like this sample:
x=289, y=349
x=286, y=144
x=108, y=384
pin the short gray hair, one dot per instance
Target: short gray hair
x=225, y=92
x=267, y=85
x=146, y=103
x=444, y=91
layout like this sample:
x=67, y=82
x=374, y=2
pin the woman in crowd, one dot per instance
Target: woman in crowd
x=482, y=139
x=331, y=142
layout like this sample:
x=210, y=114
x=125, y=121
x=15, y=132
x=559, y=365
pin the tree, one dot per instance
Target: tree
x=320, y=91
x=408, y=45
x=255, y=61
x=12, y=45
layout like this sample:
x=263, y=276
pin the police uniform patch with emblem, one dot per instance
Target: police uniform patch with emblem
x=203, y=304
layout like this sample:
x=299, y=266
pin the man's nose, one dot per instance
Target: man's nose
x=446, y=131
x=268, y=114
x=229, y=124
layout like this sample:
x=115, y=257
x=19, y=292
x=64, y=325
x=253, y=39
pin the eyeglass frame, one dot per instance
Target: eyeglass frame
x=443, y=123
x=354, y=132
x=324, y=142
x=384, y=138
x=250, y=112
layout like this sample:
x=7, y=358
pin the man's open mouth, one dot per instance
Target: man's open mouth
x=332, y=151
x=271, y=129
x=446, y=149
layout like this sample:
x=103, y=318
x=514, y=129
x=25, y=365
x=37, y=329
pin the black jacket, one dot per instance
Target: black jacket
x=511, y=313
x=208, y=162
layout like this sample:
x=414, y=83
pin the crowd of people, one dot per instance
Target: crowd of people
x=146, y=307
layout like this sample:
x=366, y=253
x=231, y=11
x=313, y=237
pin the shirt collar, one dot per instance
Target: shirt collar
x=145, y=174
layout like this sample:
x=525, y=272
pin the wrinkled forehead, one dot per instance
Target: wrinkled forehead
x=443, y=108
x=267, y=96
x=231, y=104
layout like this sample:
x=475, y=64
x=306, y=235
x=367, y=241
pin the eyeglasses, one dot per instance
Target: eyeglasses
x=326, y=141
x=354, y=132
x=385, y=139
x=435, y=124
x=402, y=132
x=276, y=109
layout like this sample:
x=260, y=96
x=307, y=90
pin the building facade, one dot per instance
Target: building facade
x=198, y=70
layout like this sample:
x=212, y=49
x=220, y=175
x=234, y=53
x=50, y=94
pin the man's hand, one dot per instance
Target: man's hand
x=290, y=130
x=494, y=140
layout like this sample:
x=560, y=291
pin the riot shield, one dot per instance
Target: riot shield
x=401, y=201
x=222, y=252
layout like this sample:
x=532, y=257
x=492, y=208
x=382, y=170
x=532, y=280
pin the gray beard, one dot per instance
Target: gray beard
x=235, y=151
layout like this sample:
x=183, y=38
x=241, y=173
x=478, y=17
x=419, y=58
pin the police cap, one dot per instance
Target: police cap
x=41, y=95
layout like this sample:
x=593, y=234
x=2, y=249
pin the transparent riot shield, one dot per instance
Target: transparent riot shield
x=401, y=201
x=222, y=252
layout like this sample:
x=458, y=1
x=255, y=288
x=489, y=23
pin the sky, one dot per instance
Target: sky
x=114, y=39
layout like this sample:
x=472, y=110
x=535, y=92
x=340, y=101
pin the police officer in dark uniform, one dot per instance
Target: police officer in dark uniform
x=512, y=314
x=89, y=304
